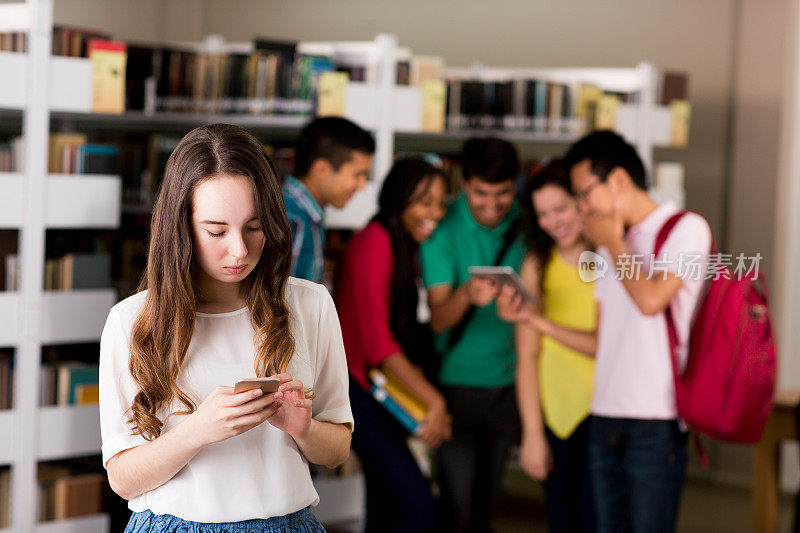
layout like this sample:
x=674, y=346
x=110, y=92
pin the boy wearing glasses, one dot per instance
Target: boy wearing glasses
x=637, y=449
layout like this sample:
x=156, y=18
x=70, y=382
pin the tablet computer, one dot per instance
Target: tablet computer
x=503, y=275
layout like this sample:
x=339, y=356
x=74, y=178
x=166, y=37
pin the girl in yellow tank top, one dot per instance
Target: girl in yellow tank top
x=556, y=340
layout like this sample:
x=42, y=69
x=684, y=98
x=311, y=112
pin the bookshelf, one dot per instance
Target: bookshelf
x=31, y=317
x=32, y=201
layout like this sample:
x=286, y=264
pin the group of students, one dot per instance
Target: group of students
x=579, y=375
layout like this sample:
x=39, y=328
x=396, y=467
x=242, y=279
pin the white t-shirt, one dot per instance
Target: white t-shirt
x=633, y=371
x=260, y=473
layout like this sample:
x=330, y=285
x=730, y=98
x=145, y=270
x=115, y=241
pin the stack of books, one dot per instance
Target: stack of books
x=407, y=408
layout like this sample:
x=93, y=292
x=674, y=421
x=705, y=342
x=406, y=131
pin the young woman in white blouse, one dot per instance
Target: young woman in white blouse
x=217, y=304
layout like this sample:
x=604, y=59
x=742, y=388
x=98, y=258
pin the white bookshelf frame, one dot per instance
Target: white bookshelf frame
x=72, y=201
x=68, y=431
x=73, y=93
x=32, y=201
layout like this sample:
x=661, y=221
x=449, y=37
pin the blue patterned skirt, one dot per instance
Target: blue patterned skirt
x=302, y=521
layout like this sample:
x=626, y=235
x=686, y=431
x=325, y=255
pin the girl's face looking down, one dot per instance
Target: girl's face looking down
x=226, y=232
x=558, y=215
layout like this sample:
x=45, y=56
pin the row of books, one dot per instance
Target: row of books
x=13, y=41
x=65, y=492
x=401, y=403
x=71, y=153
x=273, y=78
x=141, y=165
x=63, y=383
x=545, y=106
x=71, y=272
x=535, y=105
x=68, y=153
x=67, y=40
x=69, y=383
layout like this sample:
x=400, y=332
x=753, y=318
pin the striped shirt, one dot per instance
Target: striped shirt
x=307, y=220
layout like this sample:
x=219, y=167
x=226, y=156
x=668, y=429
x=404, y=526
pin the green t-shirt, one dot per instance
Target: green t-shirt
x=485, y=356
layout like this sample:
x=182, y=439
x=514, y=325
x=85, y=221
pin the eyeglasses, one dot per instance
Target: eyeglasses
x=583, y=195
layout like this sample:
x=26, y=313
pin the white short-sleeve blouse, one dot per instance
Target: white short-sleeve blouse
x=260, y=473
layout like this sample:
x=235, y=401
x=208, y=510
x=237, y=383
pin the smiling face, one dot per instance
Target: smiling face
x=557, y=214
x=337, y=187
x=489, y=202
x=226, y=231
x=426, y=209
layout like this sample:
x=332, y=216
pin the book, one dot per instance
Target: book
x=85, y=271
x=48, y=383
x=8, y=247
x=70, y=375
x=674, y=86
x=586, y=109
x=555, y=96
x=5, y=497
x=109, y=60
x=681, y=111
x=332, y=92
x=383, y=398
x=454, y=119
x=404, y=398
x=6, y=378
x=61, y=144
x=540, y=103
x=434, y=99
x=78, y=495
x=425, y=68
x=474, y=109
x=97, y=159
x=606, y=116
x=11, y=267
x=47, y=474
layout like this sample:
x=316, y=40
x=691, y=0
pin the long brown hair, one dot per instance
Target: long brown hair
x=163, y=329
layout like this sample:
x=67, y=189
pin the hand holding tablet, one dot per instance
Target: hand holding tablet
x=503, y=276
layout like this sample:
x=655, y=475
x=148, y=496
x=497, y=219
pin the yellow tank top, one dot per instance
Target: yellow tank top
x=566, y=376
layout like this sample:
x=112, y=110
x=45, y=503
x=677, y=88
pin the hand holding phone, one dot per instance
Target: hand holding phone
x=267, y=385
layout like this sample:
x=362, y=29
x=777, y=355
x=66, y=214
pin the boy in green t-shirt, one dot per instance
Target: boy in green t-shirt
x=477, y=347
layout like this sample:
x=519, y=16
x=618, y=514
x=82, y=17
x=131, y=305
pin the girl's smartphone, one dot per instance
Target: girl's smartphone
x=267, y=385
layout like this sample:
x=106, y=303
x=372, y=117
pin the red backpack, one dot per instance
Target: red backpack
x=727, y=387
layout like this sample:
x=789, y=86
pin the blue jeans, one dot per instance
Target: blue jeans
x=637, y=469
x=301, y=521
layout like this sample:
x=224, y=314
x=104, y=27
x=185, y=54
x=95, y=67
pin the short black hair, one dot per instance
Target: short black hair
x=333, y=139
x=489, y=159
x=605, y=151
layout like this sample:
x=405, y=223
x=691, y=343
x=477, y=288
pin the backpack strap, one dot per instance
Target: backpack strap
x=672, y=332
